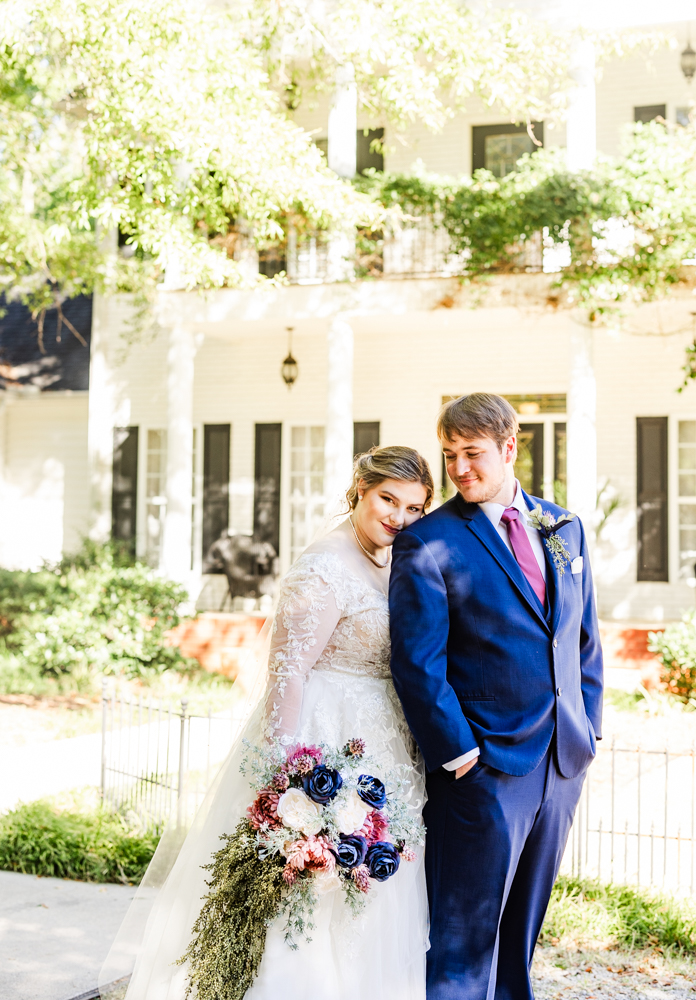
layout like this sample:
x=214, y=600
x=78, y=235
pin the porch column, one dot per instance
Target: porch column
x=176, y=543
x=101, y=422
x=582, y=428
x=342, y=157
x=343, y=123
x=581, y=128
x=338, y=442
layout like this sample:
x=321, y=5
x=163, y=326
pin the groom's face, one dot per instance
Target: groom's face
x=479, y=469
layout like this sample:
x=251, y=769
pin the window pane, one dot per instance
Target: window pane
x=306, y=486
x=687, y=514
x=687, y=457
x=503, y=151
x=298, y=436
x=687, y=431
x=687, y=485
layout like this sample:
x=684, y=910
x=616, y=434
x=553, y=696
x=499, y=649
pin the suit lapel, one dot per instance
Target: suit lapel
x=552, y=574
x=488, y=536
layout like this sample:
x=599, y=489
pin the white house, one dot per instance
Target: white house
x=192, y=430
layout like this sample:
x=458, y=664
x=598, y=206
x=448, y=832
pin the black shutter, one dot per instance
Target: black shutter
x=216, y=482
x=365, y=436
x=651, y=441
x=649, y=112
x=267, y=485
x=124, y=489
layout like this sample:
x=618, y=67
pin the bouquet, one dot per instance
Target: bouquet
x=319, y=821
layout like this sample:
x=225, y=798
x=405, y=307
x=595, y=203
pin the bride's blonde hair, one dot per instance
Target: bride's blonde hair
x=394, y=462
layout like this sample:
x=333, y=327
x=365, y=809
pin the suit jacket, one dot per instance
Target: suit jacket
x=477, y=661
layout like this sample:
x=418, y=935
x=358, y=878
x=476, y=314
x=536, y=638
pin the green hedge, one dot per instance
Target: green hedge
x=93, y=614
x=95, y=846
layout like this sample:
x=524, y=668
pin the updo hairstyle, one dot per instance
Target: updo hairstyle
x=395, y=462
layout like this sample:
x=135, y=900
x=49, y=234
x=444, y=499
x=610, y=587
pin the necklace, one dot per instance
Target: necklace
x=368, y=554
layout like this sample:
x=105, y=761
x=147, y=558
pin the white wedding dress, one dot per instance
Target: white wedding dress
x=329, y=681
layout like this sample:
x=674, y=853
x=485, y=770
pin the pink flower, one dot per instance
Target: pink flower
x=289, y=875
x=280, y=781
x=311, y=853
x=361, y=877
x=375, y=827
x=354, y=748
x=263, y=810
x=408, y=855
x=303, y=759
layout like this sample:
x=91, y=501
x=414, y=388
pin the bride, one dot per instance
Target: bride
x=329, y=681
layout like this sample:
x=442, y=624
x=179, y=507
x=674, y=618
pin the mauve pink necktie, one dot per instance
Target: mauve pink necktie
x=522, y=548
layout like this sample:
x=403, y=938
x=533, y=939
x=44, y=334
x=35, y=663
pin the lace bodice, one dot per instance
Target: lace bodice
x=328, y=618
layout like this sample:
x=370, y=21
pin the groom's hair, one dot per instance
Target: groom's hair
x=480, y=414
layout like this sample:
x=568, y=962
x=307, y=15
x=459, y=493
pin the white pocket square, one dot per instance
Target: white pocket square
x=576, y=565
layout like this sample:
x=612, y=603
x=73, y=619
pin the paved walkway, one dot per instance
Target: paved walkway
x=55, y=934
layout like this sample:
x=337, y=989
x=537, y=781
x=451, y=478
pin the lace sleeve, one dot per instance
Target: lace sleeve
x=307, y=616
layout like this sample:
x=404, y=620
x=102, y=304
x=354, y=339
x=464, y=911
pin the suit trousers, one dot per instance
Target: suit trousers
x=494, y=845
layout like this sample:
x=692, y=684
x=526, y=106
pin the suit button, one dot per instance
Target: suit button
x=555, y=642
x=558, y=692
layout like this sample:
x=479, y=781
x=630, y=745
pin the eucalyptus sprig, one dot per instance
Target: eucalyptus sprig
x=548, y=525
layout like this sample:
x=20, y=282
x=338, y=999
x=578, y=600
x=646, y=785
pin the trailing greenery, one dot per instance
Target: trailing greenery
x=586, y=913
x=93, y=614
x=626, y=226
x=229, y=935
x=93, y=846
x=676, y=651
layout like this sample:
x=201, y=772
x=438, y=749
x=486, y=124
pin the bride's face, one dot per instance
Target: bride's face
x=388, y=508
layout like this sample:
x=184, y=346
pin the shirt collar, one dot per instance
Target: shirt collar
x=494, y=511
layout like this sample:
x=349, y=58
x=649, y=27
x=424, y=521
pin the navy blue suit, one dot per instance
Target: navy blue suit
x=479, y=662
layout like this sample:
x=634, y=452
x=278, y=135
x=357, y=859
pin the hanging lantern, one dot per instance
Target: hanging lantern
x=290, y=369
x=688, y=62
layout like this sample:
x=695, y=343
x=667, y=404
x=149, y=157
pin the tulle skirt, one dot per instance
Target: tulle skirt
x=379, y=953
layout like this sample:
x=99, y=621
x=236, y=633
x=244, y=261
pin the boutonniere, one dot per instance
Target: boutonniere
x=547, y=525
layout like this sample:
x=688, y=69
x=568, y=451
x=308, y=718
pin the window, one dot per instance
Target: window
x=366, y=156
x=267, y=484
x=649, y=112
x=651, y=447
x=155, y=494
x=560, y=477
x=498, y=147
x=683, y=116
x=124, y=489
x=686, y=466
x=216, y=483
x=306, y=487
x=365, y=436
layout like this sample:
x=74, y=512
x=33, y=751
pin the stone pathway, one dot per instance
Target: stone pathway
x=55, y=934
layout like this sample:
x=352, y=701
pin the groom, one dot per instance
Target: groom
x=497, y=661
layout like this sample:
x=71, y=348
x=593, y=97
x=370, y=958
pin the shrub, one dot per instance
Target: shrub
x=95, y=846
x=93, y=614
x=586, y=913
x=676, y=650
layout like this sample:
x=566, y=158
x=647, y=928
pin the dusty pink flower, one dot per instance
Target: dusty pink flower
x=408, y=855
x=289, y=875
x=361, y=877
x=375, y=827
x=303, y=759
x=263, y=810
x=354, y=748
x=313, y=853
x=280, y=781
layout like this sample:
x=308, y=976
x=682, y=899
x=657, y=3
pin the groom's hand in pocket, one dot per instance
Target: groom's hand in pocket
x=461, y=771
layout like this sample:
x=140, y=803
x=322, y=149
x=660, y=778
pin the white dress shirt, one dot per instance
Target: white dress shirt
x=494, y=512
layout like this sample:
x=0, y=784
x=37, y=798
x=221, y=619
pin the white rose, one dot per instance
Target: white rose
x=298, y=812
x=350, y=813
x=325, y=881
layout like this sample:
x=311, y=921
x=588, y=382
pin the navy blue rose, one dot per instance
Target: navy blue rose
x=350, y=851
x=322, y=784
x=372, y=791
x=382, y=860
